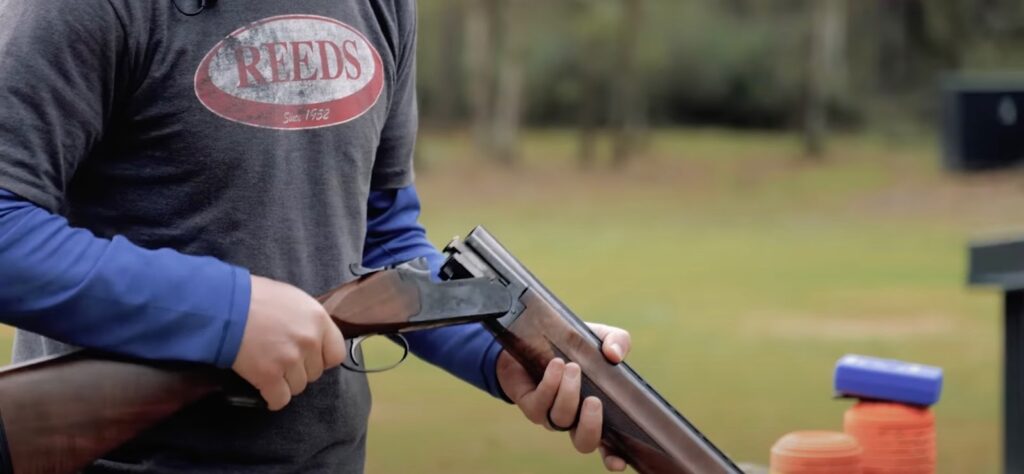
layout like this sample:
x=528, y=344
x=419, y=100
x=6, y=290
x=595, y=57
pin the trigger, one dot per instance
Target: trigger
x=355, y=363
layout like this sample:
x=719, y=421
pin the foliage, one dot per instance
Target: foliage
x=738, y=62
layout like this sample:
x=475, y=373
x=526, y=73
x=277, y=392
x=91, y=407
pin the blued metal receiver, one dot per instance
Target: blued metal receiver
x=442, y=303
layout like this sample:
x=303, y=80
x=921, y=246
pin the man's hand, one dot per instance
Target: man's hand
x=558, y=394
x=289, y=339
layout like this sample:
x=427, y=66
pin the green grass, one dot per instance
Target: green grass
x=742, y=272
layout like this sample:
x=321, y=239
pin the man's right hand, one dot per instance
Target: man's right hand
x=289, y=339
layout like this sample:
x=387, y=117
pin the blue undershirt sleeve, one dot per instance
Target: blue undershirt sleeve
x=393, y=236
x=67, y=284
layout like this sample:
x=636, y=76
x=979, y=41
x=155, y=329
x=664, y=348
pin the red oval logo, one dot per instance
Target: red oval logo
x=291, y=72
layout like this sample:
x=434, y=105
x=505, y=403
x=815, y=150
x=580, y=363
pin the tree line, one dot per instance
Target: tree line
x=618, y=67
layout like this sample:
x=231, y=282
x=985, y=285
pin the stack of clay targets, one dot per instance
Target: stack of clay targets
x=816, y=452
x=891, y=420
x=896, y=438
x=890, y=430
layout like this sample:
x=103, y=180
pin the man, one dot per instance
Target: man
x=264, y=147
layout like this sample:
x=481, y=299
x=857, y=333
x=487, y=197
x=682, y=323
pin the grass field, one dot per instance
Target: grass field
x=742, y=273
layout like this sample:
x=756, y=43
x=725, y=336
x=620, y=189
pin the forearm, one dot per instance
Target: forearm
x=394, y=236
x=67, y=284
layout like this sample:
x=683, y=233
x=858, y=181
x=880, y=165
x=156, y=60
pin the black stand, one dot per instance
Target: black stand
x=6, y=466
x=1002, y=264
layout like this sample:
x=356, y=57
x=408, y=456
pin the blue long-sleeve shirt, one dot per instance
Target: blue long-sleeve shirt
x=68, y=284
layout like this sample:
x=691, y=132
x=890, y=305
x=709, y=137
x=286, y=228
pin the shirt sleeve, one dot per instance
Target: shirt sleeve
x=65, y=70
x=392, y=167
x=394, y=236
x=67, y=284
x=61, y=64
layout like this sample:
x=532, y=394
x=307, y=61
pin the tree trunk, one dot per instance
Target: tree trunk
x=589, y=109
x=508, y=100
x=739, y=8
x=451, y=42
x=826, y=69
x=894, y=45
x=479, y=46
x=592, y=104
x=627, y=110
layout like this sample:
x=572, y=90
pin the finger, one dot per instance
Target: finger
x=333, y=346
x=314, y=364
x=611, y=462
x=567, y=401
x=277, y=394
x=536, y=403
x=588, y=432
x=616, y=342
x=295, y=376
x=614, y=463
x=513, y=378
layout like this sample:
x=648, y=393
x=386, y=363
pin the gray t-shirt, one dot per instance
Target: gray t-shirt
x=251, y=132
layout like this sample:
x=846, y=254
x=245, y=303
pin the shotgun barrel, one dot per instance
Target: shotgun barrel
x=639, y=424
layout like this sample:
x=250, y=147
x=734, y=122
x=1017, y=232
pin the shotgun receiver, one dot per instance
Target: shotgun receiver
x=59, y=414
x=639, y=425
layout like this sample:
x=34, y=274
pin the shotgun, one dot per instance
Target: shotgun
x=60, y=414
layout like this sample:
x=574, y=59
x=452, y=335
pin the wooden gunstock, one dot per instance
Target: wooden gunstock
x=62, y=413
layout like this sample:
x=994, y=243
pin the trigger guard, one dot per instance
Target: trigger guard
x=354, y=364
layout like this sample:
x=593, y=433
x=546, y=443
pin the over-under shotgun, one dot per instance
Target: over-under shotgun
x=57, y=415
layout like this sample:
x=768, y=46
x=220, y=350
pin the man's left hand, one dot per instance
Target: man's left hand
x=558, y=394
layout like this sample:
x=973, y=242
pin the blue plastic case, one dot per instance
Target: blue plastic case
x=886, y=379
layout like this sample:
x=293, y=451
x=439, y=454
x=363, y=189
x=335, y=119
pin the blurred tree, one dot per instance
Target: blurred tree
x=739, y=8
x=592, y=22
x=826, y=70
x=481, y=25
x=495, y=53
x=627, y=106
x=508, y=91
x=607, y=63
x=588, y=74
x=450, y=31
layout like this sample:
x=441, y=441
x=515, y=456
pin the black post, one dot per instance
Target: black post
x=1002, y=264
x=1013, y=401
